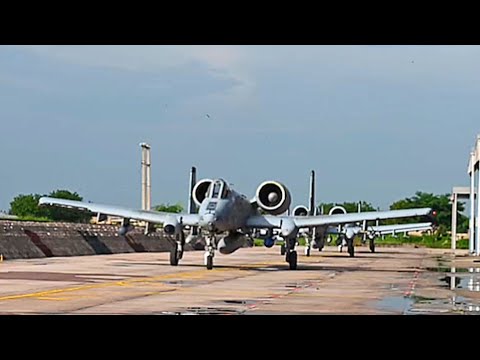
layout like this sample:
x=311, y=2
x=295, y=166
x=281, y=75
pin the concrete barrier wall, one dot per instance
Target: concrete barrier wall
x=23, y=239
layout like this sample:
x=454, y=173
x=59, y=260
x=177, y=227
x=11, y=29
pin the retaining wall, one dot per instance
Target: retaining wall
x=24, y=239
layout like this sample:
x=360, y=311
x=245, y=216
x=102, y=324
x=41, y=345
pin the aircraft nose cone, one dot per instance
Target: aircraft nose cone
x=208, y=221
x=209, y=218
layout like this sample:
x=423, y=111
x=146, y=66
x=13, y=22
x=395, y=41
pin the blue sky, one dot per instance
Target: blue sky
x=377, y=123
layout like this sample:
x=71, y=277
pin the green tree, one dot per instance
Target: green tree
x=462, y=224
x=27, y=206
x=64, y=214
x=176, y=208
x=440, y=203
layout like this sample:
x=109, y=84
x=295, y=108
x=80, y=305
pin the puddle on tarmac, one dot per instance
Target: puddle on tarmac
x=455, y=278
x=469, y=280
x=203, y=311
x=395, y=303
x=454, y=305
x=240, y=302
x=469, y=283
x=417, y=305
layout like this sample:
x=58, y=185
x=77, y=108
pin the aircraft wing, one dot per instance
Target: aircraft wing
x=310, y=221
x=387, y=229
x=270, y=221
x=150, y=216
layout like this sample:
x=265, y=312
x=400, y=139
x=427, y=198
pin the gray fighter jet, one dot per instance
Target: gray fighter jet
x=350, y=231
x=227, y=218
x=315, y=237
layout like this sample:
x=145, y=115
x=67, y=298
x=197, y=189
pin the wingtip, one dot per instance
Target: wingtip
x=43, y=200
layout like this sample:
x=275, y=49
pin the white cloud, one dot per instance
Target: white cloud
x=221, y=61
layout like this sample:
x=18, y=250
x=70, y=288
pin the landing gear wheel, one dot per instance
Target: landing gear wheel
x=292, y=260
x=174, y=257
x=307, y=251
x=321, y=244
x=372, y=246
x=209, y=252
x=209, y=262
x=340, y=243
x=351, y=249
x=282, y=249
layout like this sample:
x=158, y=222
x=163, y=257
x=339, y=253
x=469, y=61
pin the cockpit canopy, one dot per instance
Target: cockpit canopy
x=218, y=189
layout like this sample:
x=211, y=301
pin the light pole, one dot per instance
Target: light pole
x=146, y=177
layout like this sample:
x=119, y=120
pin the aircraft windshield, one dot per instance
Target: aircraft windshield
x=225, y=192
x=216, y=189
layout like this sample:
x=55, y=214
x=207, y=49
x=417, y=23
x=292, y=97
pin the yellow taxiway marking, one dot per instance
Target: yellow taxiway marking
x=189, y=274
x=54, y=298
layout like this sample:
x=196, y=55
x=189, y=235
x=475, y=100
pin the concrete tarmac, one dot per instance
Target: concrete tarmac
x=400, y=280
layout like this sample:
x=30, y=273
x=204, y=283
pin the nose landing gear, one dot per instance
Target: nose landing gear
x=209, y=252
x=291, y=254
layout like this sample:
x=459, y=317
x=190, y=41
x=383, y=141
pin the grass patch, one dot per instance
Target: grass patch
x=430, y=241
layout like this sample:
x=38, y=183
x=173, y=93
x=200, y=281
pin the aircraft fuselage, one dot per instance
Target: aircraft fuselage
x=223, y=209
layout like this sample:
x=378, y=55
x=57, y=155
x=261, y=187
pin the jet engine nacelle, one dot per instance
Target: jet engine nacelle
x=230, y=243
x=171, y=226
x=200, y=191
x=273, y=197
x=337, y=210
x=300, y=210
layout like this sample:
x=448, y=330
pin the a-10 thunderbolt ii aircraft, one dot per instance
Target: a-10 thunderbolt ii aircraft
x=349, y=231
x=315, y=237
x=227, y=218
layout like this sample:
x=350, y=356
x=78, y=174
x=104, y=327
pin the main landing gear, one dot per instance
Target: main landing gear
x=350, y=247
x=176, y=253
x=372, y=245
x=209, y=252
x=318, y=243
x=290, y=253
x=308, y=246
x=342, y=241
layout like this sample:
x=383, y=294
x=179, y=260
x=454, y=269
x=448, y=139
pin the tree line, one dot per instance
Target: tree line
x=440, y=203
x=26, y=207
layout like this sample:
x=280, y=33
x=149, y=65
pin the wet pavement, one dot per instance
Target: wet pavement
x=394, y=280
